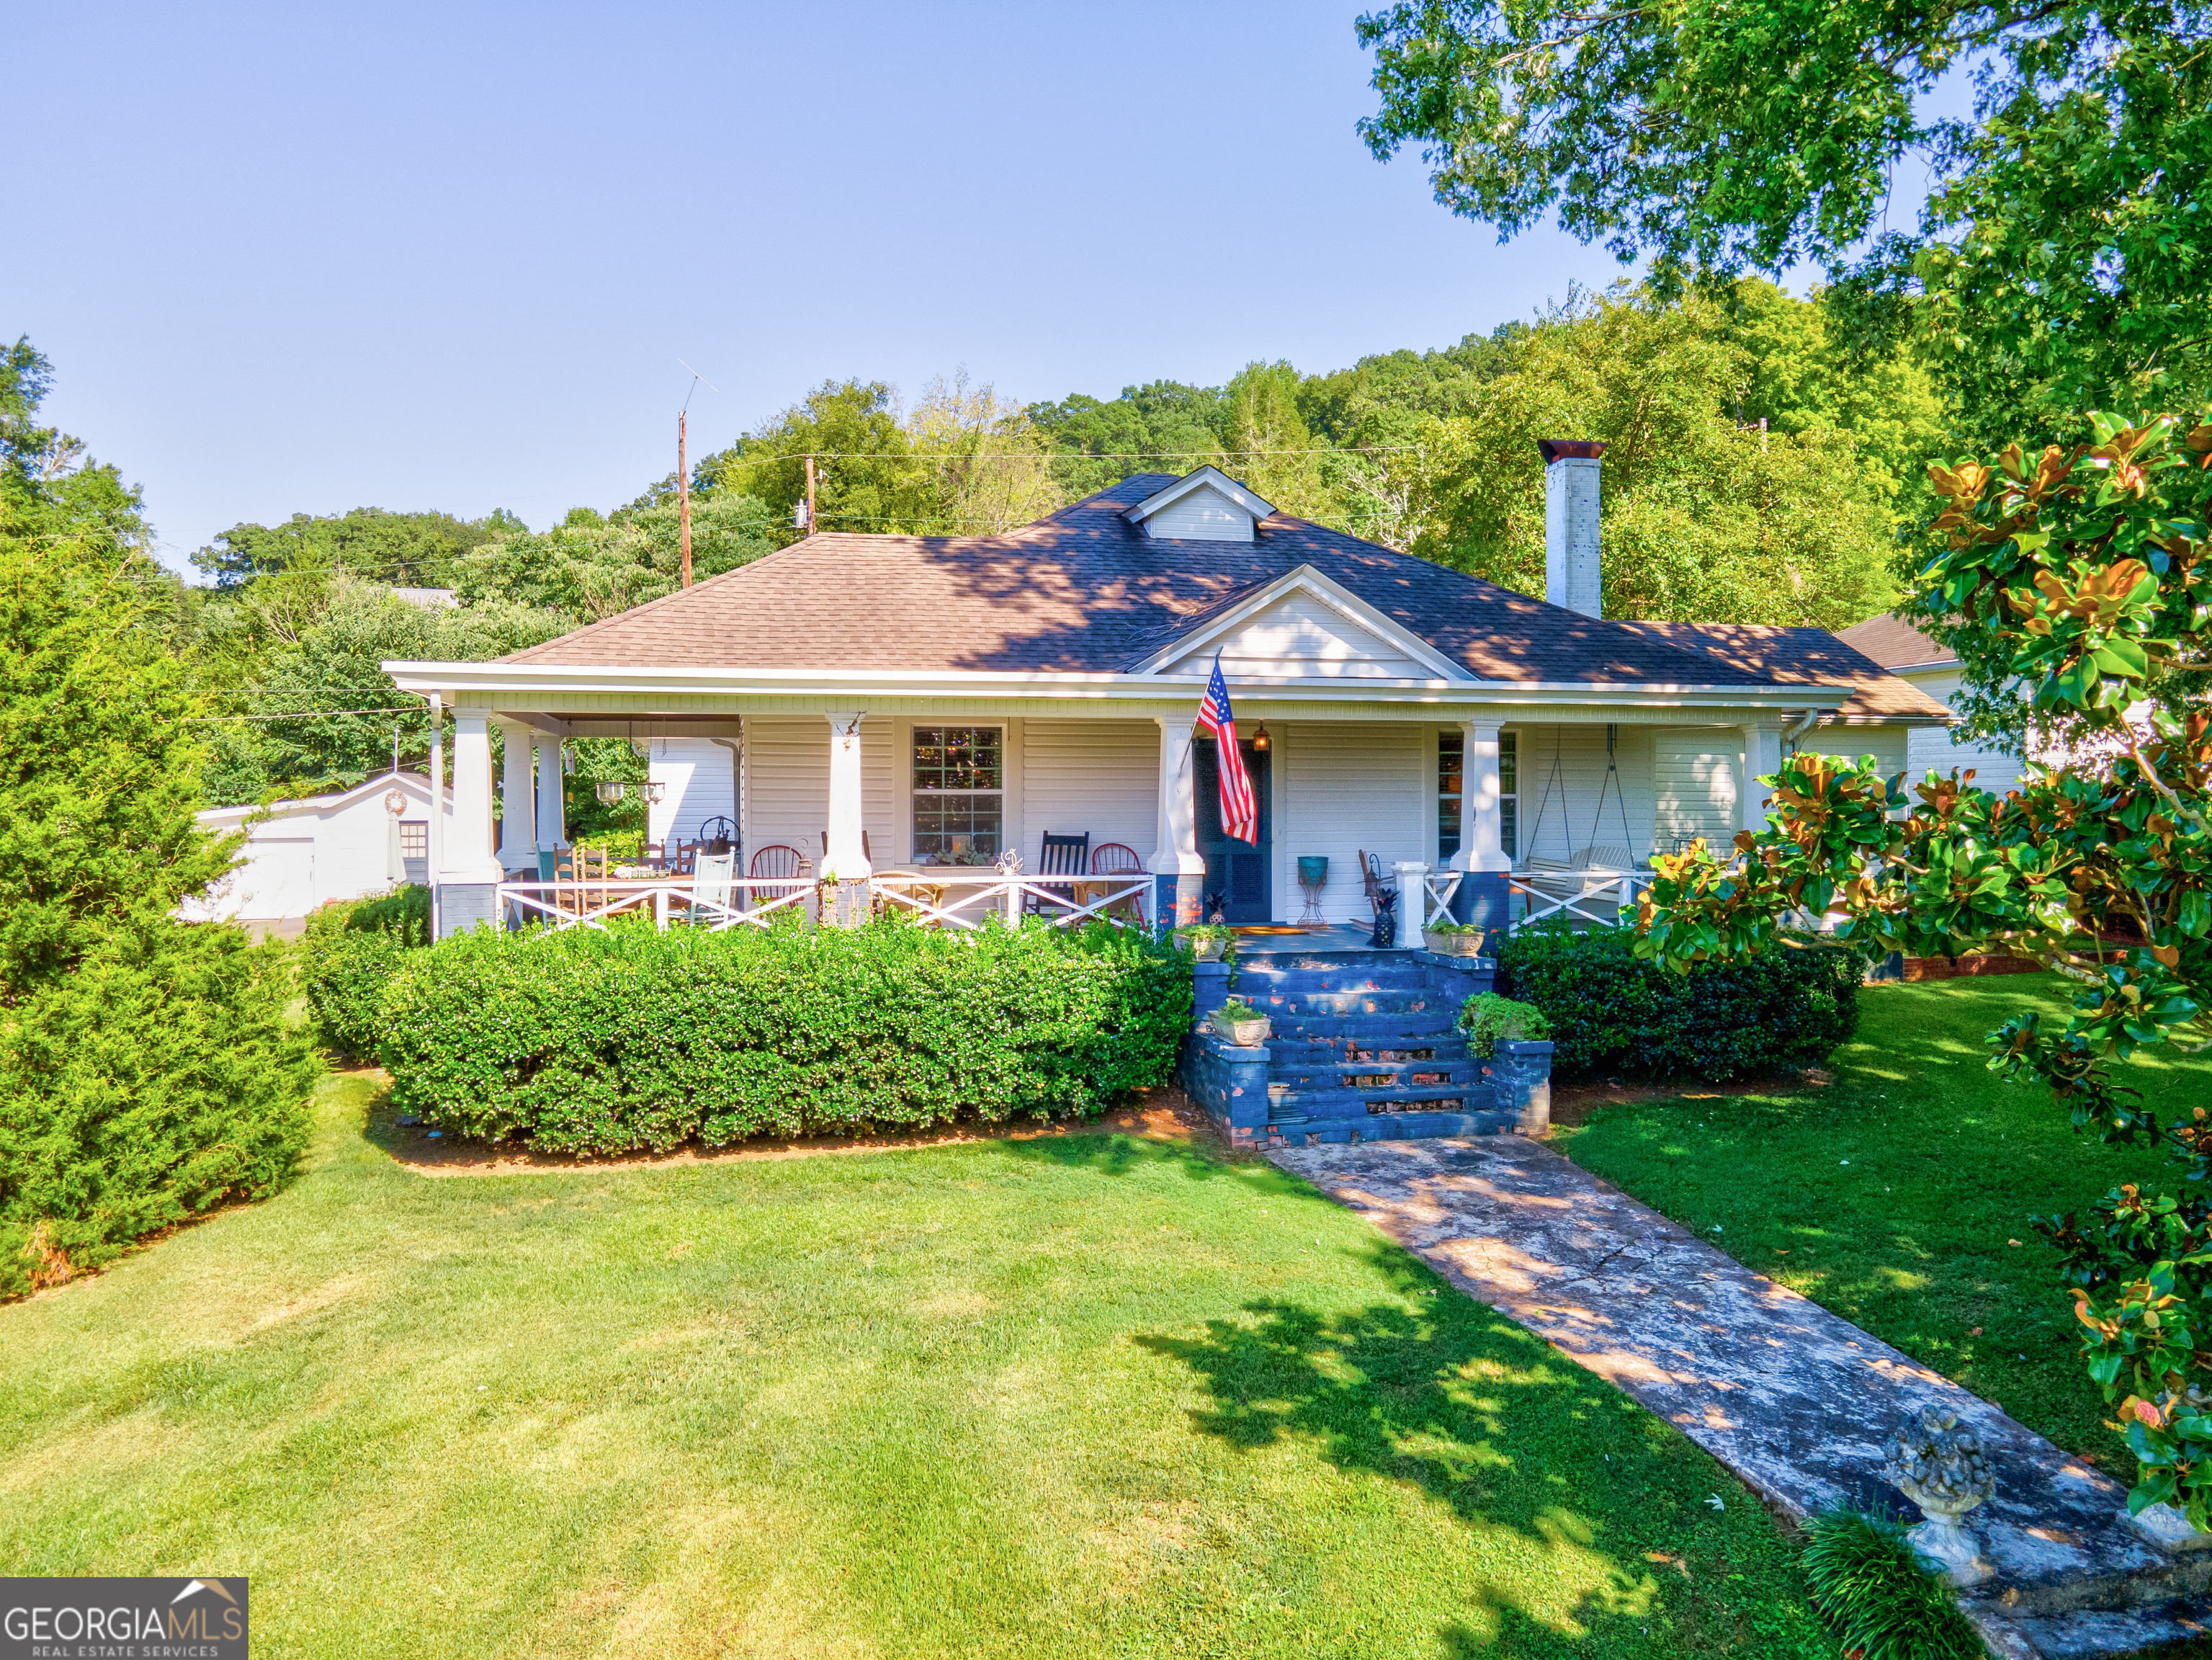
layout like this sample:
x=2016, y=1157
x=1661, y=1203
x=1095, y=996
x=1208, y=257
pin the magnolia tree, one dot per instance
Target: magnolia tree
x=2088, y=575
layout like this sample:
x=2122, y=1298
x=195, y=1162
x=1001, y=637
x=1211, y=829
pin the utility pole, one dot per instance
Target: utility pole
x=683, y=496
x=811, y=525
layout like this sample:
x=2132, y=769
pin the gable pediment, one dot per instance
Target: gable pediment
x=1305, y=627
x=1205, y=505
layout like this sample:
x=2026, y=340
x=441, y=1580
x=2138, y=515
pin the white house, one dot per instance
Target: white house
x=301, y=855
x=1916, y=660
x=876, y=704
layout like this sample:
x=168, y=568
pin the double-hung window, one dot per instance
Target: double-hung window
x=959, y=791
x=1451, y=780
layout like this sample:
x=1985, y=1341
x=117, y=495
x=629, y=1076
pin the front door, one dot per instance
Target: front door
x=1241, y=873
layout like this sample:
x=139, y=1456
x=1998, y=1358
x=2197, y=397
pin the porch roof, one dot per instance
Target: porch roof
x=1085, y=591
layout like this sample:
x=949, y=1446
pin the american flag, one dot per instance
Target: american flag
x=1240, y=814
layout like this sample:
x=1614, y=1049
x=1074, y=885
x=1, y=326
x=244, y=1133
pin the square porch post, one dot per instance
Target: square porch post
x=1483, y=897
x=518, y=823
x=552, y=810
x=1178, y=871
x=1762, y=758
x=845, y=856
x=468, y=884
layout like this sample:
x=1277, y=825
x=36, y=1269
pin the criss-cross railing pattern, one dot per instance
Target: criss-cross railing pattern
x=952, y=898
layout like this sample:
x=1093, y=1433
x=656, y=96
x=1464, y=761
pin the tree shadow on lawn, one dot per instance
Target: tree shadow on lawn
x=1559, y=1480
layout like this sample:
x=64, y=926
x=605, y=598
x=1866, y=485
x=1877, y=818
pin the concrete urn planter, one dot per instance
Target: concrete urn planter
x=1246, y=1034
x=1207, y=950
x=1939, y=1464
x=1453, y=945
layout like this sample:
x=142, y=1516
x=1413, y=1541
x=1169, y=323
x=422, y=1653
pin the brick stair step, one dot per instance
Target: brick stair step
x=1393, y=1127
x=1348, y=1002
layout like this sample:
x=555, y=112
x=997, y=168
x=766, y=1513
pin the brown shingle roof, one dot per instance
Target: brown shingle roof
x=1893, y=643
x=1084, y=590
x=1798, y=656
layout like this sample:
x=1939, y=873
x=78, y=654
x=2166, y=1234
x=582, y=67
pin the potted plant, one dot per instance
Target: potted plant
x=1454, y=938
x=1209, y=941
x=1241, y=1024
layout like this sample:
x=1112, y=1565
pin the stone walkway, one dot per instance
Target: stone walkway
x=1795, y=1401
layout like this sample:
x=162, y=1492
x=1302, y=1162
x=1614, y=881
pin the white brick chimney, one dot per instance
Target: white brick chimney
x=1571, y=563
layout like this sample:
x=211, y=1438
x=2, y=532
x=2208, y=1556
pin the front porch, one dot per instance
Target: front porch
x=1032, y=809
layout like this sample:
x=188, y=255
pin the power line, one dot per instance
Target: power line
x=302, y=714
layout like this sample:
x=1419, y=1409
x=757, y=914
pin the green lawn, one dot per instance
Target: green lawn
x=1900, y=1196
x=1086, y=1396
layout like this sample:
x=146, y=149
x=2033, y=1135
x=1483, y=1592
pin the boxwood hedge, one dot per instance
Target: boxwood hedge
x=349, y=953
x=1612, y=1015
x=608, y=1041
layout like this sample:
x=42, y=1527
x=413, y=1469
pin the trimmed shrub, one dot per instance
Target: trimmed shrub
x=1489, y=1020
x=154, y=1081
x=1614, y=1015
x=596, y=1042
x=351, y=951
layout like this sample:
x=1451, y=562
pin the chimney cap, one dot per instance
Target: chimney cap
x=1585, y=449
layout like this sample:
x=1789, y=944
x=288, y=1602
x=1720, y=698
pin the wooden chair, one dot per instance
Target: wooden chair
x=1117, y=858
x=777, y=863
x=1061, y=855
x=575, y=870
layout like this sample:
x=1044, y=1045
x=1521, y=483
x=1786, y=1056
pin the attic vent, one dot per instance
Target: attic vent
x=1205, y=506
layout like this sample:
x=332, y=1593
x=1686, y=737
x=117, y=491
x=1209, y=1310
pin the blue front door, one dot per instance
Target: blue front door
x=1238, y=870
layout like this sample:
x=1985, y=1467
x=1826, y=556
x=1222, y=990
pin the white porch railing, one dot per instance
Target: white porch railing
x=954, y=899
x=1564, y=893
x=1441, y=886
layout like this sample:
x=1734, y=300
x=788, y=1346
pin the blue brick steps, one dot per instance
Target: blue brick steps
x=1361, y=1045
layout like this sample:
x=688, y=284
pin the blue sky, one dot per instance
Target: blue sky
x=303, y=258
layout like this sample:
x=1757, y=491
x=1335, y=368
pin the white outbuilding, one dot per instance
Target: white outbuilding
x=301, y=855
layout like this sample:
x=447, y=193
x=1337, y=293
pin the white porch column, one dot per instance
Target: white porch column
x=1412, y=902
x=469, y=856
x=436, y=863
x=1762, y=756
x=845, y=857
x=552, y=812
x=518, y=820
x=1481, y=820
x=1175, y=837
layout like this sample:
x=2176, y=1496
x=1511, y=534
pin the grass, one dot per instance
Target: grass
x=1900, y=1196
x=1092, y=1395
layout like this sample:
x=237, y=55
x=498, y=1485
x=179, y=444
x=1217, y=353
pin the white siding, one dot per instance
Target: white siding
x=1889, y=745
x=1694, y=773
x=1102, y=777
x=788, y=782
x=698, y=777
x=1930, y=748
x=1300, y=636
x=1204, y=515
x=1568, y=803
x=1344, y=788
x=308, y=852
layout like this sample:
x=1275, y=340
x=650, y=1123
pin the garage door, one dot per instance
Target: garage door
x=1693, y=776
x=277, y=880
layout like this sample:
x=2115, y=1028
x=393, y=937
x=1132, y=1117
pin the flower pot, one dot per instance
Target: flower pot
x=1207, y=950
x=1454, y=944
x=1245, y=1034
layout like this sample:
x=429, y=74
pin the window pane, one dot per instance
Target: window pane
x=958, y=758
x=1509, y=832
x=1509, y=763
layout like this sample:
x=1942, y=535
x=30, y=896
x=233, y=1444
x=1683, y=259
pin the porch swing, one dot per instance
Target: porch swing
x=1592, y=859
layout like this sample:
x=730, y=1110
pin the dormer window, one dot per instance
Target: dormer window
x=1205, y=506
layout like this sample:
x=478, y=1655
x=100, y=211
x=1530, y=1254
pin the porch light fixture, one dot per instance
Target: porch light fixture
x=1260, y=741
x=610, y=793
x=654, y=790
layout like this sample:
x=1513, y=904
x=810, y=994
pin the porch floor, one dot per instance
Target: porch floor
x=1334, y=937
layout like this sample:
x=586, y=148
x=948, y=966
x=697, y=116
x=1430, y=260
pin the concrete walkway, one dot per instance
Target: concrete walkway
x=1795, y=1401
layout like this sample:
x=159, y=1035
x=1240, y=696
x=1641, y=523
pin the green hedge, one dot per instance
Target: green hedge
x=1614, y=1016
x=349, y=952
x=605, y=1042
